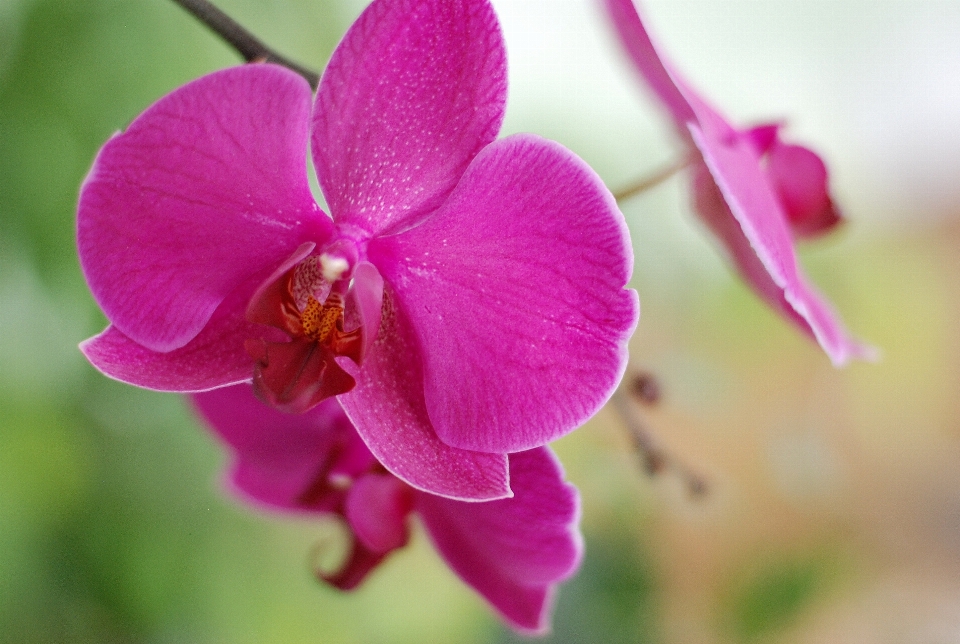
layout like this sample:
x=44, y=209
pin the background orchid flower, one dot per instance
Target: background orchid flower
x=753, y=191
x=465, y=299
x=513, y=551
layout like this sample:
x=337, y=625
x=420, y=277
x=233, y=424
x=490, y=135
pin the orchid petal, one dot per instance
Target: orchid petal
x=205, y=189
x=735, y=202
x=763, y=137
x=367, y=293
x=207, y=362
x=389, y=412
x=646, y=58
x=516, y=290
x=513, y=551
x=214, y=358
x=799, y=177
x=282, y=460
x=413, y=92
x=376, y=508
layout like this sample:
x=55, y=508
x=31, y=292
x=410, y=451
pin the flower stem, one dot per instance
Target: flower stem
x=654, y=458
x=645, y=183
x=246, y=44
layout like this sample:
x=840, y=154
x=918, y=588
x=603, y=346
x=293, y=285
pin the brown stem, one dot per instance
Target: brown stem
x=246, y=44
x=645, y=388
x=654, y=458
x=645, y=183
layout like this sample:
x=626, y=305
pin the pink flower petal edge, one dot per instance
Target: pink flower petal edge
x=514, y=552
x=773, y=191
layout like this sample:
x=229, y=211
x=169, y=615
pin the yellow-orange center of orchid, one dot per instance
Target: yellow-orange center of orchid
x=320, y=320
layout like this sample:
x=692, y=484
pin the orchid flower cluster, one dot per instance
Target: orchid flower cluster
x=462, y=302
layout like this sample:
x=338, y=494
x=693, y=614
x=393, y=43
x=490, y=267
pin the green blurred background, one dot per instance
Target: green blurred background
x=833, y=506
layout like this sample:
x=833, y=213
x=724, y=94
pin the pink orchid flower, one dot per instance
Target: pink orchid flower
x=514, y=552
x=466, y=298
x=753, y=191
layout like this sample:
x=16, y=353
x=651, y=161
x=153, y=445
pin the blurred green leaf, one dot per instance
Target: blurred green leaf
x=612, y=600
x=772, y=597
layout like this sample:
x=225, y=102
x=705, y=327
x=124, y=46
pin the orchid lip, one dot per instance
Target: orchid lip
x=307, y=303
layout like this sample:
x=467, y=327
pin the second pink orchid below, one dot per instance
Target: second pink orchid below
x=514, y=552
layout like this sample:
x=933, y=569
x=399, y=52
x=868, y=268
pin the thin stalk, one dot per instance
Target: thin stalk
x=646, y=183
x=247, y=45
x=654, y=458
